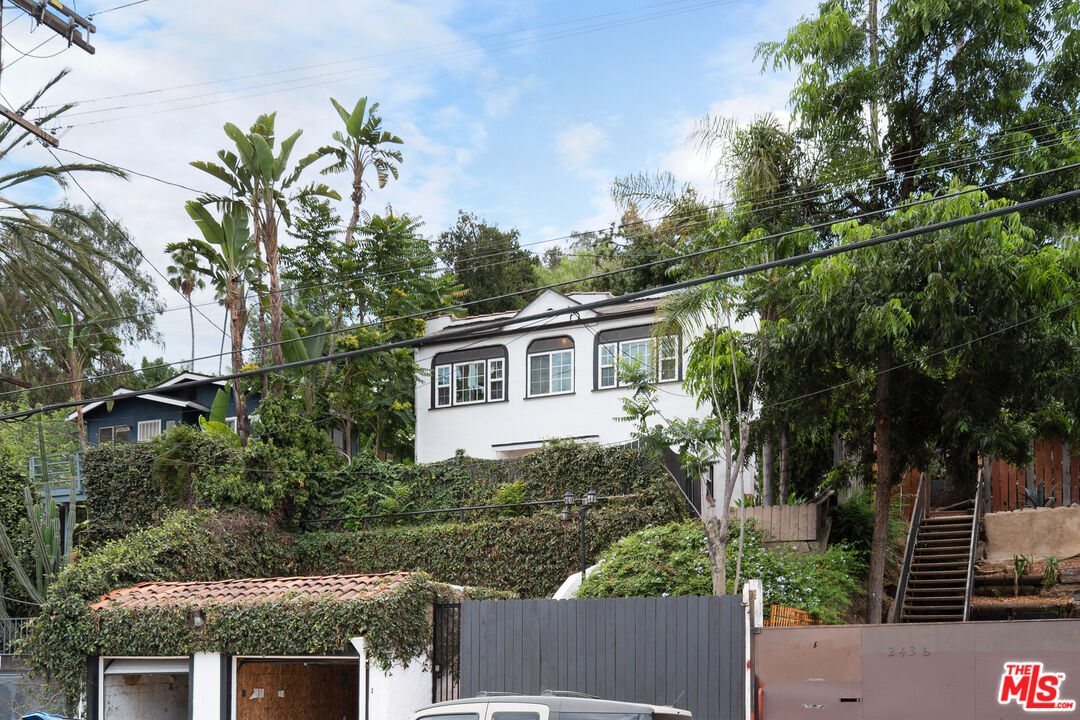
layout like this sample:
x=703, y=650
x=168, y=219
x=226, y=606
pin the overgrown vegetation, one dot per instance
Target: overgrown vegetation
x=673, y=560
x=292, y=474
x=527, y=555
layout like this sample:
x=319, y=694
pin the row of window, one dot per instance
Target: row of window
x=145, y=430
x=479, y=375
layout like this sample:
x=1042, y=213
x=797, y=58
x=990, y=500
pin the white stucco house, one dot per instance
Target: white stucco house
x=501, y=392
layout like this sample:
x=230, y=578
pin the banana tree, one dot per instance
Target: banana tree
x=258, y=180
x=227, y=256
x=299, y=347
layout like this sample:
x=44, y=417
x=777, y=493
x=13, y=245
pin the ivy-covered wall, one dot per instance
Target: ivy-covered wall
x=530, y=556
x=303, y=479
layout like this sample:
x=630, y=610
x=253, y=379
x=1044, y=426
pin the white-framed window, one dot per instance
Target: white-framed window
x=469, y=377
x=149, y=429
x=667, y=358
x=230, y=422
x=658, y=356
x=469, y=382
x=551, y=373
x=609, y=371
x=637, y=353
x=496, y=369
x=114, y=433
x=442, y=385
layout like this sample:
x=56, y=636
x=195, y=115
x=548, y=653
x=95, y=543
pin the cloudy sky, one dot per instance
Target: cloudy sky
x=520, y=111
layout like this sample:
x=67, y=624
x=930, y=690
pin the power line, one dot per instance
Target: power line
x=118, y=7
x=730, y=246
x=639, y=15
x=465, y=333
x=123, y=233
x=408, y=268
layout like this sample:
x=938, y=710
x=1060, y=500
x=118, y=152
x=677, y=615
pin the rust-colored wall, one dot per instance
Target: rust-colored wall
x=312, y=691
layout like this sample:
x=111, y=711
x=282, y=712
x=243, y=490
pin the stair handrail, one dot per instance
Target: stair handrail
x=909, y=551
x=976, y=517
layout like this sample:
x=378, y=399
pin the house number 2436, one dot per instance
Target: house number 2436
x=907, y=651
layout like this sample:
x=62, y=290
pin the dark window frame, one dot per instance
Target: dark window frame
x=550, y=346
x=617, y=336
x=454, y=358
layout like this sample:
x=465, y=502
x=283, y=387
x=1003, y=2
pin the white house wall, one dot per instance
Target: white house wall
x=493, y=430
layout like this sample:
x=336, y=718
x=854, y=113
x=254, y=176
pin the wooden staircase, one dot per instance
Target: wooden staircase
x=937, y=585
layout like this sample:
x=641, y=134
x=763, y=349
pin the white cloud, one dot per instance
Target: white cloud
x=577, y=145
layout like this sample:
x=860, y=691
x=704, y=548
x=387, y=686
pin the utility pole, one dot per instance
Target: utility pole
x=66, y=23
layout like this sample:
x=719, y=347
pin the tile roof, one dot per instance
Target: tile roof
x=250, y=590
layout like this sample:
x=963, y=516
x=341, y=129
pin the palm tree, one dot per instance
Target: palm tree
x=226, y=255
x=362, y=146
x=358, y=149
x=183, y=276
x=39, y=263
x=258, y=181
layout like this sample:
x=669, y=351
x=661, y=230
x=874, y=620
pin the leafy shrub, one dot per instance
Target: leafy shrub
x=853, y=523
x=674, y=560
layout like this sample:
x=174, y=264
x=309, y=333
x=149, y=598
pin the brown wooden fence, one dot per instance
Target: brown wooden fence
x=1056, y=466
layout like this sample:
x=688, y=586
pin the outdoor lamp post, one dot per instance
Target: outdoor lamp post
x=586, y=502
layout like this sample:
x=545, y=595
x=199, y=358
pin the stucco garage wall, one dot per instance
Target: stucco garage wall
x=1037, y=533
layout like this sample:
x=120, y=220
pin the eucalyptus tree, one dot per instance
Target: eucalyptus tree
x=184, y=277
x=260, y=181
x=226, y=255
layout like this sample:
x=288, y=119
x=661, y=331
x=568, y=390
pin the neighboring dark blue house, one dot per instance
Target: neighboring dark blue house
x=140, y=418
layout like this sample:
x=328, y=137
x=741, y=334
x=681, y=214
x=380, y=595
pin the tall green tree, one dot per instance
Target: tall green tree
x=260, y=180
x=388, y=271
x=488, y=262
x=76, y=347
x=226, y=255
x=957, y=339
x=920, y=98
x=364, y=145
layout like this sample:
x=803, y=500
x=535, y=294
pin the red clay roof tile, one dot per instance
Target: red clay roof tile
x=250, y=590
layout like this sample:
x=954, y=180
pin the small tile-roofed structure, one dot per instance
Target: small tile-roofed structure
x=251, y=590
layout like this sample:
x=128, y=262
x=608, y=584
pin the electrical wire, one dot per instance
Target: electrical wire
x=316, y=80
x=337, y=280
x=498, y=323
x=742, y=243
x=91, y=16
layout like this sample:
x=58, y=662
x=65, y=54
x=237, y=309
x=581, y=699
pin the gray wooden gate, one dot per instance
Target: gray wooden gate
x=681, y=651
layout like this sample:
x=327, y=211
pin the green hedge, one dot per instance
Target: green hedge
x=376, y=487
x=530, y=556
x=294, y=479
